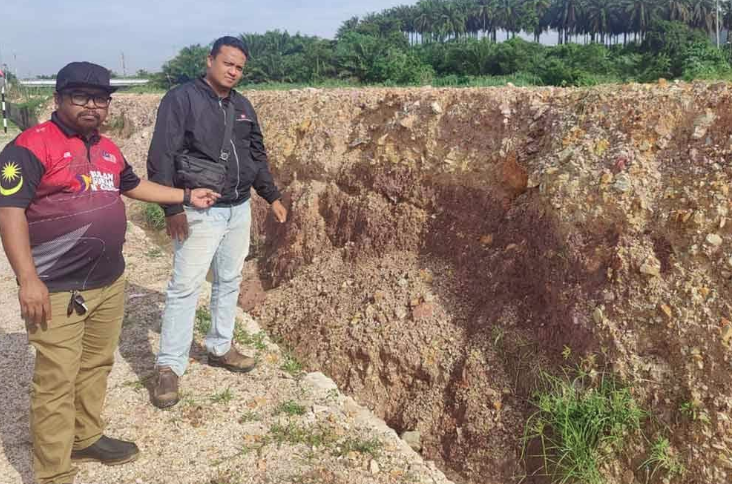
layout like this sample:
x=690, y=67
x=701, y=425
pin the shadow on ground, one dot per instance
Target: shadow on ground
x=16, y=372
x=143, y=313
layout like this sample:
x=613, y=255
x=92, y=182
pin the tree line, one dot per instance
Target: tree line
x=606, y=21
x=477, y=42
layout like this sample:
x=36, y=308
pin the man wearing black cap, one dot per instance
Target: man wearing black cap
x=62, y=223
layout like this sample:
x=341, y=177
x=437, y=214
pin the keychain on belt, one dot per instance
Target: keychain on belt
x=76, y=303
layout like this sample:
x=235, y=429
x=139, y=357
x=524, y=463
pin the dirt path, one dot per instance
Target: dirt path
x=5, y=138
x=276, y=425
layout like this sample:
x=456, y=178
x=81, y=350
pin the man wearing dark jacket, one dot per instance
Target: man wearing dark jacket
x=192, y=120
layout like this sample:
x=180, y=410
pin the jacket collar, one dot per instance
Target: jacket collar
x=69, y=132
x=202, y=84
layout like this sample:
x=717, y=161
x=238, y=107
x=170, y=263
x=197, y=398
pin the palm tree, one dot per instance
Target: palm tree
x=539, y=9
x=450, y=20
x=424, y=22
x=640, y=14
x=703, y=15
x=679, y=10
x=727, y=20
x=566, y=15
x=471, y=24
x=598, y=15
x=403, y=14
x=619, y=23
x=506, y=16
x=485, y=13
x=347, y=26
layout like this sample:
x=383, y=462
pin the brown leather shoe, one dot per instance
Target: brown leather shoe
x=232, y=361
x=165, y=391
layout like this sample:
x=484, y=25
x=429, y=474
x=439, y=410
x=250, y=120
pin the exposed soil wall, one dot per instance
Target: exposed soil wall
x=445, y=246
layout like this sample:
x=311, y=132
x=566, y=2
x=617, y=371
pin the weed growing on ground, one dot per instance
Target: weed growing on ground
x=222, y=397
x=291, y=408
x=154, y=216
x=138, y=384
x=497, y=335
x=372, y=446
x=290, y=364
x=203, y=321
x=187, y=400
x=249, y=417
x=244, y=337
x=318, y=436
x=292, y=433
x=580, y=423
x=332, y=395
x=154, y=253
x=662, y=458
x=566, y=352
x=115, y=123
x=694, y=412
x=247, y=449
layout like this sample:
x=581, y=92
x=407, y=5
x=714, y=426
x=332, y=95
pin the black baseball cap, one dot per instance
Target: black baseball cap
x=83, y=74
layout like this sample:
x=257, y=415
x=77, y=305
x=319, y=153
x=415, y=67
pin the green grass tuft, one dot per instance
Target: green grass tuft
x=372, y=446
x=244, y=337
x=662, y=458
x=299, y=434
x=249, y=416
x=290, y=407
x=290, y=364
x=580, y=423
x=223, y=397
x=154, y=216
x=203, y=321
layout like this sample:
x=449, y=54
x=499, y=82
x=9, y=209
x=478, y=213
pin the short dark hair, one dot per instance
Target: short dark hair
x=231, y=42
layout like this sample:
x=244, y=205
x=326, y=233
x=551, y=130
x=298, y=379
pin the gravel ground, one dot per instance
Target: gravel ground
x=7, y=137
x=275, y=425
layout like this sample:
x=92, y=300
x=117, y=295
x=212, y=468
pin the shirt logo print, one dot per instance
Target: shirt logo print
x=10, y=173
x=109, y=157
x=95, y=181
x=83, y=183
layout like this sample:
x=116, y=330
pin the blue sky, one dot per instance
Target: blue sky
x=41, y=36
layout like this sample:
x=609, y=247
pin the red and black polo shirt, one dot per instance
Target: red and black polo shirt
x=70, y=188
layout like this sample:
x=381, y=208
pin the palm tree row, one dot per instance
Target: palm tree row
x=605, y=21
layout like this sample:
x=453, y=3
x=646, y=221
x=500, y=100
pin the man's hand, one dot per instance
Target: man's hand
x=177, y=226
x=203, y=197
x=280, y=212
x=35, y=304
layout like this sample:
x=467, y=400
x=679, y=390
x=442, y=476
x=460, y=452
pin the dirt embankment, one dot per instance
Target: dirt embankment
x=446, y=246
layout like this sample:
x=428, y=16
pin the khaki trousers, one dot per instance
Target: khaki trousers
x=74, y=356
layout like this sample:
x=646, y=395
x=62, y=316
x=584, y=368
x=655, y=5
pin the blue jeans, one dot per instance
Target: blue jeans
x=218, y=238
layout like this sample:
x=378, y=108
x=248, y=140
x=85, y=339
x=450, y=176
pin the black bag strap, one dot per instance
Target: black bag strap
x=226, y=144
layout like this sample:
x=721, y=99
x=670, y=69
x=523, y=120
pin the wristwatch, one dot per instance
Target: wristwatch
x=187, y=197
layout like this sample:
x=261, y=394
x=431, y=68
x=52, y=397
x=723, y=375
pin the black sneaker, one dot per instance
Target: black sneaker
x=108, y=451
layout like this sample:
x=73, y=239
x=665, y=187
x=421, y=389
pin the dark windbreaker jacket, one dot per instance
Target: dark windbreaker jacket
x=192, y=118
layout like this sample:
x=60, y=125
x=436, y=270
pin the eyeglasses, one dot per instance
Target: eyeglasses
x=79, y=98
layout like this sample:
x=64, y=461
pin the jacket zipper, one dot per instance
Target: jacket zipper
x=236, y=157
